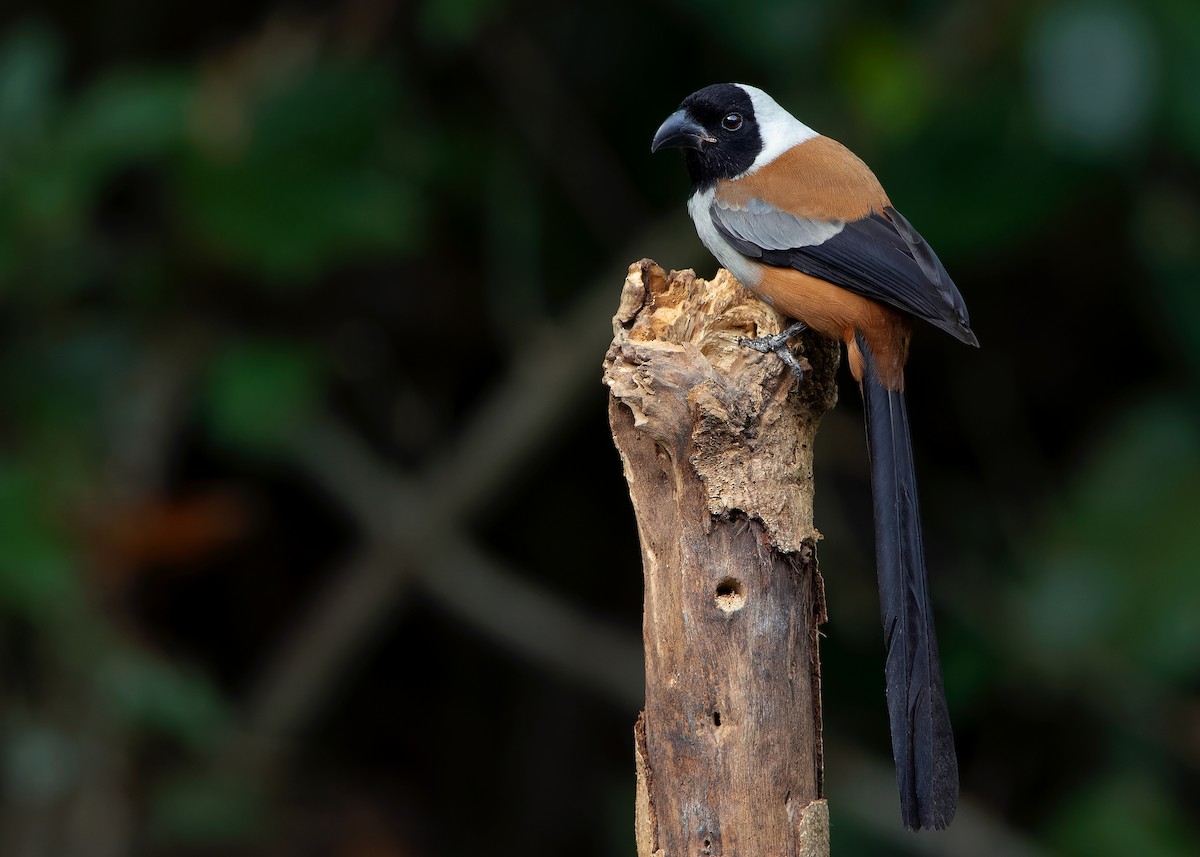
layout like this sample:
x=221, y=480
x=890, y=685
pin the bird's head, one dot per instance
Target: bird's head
x=717, y=130
x=728, y=129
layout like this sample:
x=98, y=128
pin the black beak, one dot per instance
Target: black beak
x=681, y=131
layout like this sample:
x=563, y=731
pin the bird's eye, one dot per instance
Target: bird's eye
x=732, y=121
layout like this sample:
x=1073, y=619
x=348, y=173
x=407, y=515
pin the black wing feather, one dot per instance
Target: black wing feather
x=881, y=257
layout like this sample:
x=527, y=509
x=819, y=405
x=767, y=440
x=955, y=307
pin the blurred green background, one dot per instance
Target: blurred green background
x=312, y=537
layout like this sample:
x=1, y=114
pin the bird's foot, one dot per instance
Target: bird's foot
x=778, y=345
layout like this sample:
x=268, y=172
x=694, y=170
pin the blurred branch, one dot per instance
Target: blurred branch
x=311, y=661
x=528, y=619
x=541, y=390
x=152, y=405
x=403, y=522
x=411, y=528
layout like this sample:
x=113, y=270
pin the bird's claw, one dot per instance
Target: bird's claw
x=777, y=344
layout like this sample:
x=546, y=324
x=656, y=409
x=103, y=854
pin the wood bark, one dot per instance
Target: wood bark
x=716, y=441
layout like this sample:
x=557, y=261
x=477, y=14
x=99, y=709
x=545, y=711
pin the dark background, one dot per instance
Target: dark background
x=312, y=537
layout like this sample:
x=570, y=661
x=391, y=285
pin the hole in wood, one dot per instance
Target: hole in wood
x=716, y=718
x=729, y=595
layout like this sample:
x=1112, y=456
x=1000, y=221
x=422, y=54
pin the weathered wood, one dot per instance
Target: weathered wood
x=716, y=441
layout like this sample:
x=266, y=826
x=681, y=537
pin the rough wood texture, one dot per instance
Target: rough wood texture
x=716, y=440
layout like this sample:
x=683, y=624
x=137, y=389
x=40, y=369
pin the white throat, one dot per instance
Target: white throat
x=699, y=205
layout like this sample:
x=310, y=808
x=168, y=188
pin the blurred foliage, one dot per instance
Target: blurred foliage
x=256, y=390
x=223, y=227
x=1135, y=498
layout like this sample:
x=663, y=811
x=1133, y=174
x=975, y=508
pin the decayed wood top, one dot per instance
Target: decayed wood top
x=747, y=429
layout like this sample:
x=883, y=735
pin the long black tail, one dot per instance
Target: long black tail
x=922, y=742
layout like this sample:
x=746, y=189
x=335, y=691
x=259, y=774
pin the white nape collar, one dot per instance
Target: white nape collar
x=779, y=129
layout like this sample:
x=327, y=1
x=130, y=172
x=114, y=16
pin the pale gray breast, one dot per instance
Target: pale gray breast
x=699, y=207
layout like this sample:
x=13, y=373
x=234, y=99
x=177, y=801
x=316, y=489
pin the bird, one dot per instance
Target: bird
x=805, y=224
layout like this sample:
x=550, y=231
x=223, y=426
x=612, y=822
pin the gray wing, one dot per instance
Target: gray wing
x=760, y=226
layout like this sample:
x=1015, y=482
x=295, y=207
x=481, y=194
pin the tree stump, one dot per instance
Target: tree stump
x=716, y=441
